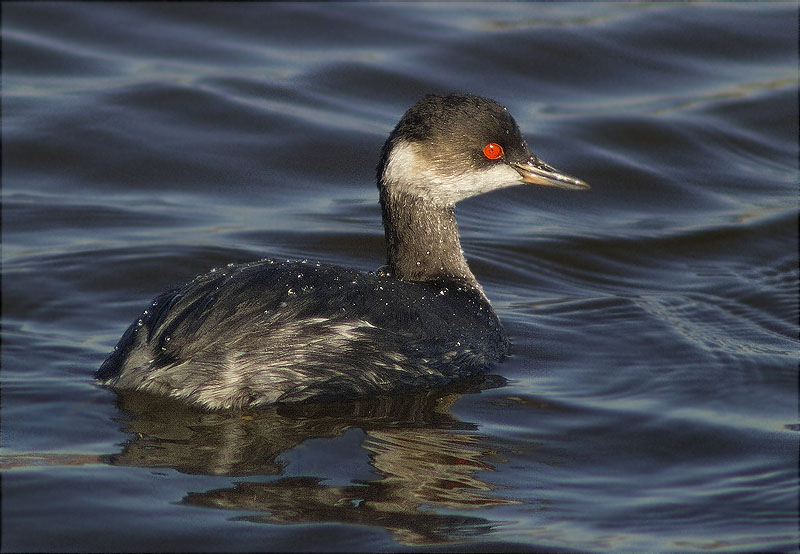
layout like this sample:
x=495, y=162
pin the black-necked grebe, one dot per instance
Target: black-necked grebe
x=267, y=331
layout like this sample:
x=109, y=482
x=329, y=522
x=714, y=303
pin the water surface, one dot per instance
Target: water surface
x=651, y=401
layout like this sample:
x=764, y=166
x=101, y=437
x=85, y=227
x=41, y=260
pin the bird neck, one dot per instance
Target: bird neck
x=422, y=241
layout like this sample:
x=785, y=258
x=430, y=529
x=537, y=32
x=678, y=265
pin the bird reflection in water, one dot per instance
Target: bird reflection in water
x=424, y=459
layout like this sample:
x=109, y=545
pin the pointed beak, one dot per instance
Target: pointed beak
x=536, y=172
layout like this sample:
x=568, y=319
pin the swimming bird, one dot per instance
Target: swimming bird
x=277, y=332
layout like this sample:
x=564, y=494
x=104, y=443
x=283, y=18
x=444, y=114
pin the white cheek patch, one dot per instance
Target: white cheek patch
x=407, y=171
x=496, y=176
x=402, y=164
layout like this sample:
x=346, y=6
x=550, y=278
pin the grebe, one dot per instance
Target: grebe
x=267, y=332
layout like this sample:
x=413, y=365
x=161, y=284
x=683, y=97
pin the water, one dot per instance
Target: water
x=652, y=394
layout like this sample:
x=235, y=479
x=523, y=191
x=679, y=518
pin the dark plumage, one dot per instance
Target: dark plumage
x=267, y=331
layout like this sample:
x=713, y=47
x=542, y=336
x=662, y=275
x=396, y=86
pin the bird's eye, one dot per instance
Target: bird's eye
x=493, y=151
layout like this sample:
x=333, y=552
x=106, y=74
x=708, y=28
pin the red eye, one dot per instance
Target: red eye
x=492, y=151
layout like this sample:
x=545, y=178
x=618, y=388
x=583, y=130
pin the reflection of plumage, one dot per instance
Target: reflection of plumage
x=409, y=456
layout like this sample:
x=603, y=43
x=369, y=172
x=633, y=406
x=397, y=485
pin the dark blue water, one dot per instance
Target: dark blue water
x=652, y=394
